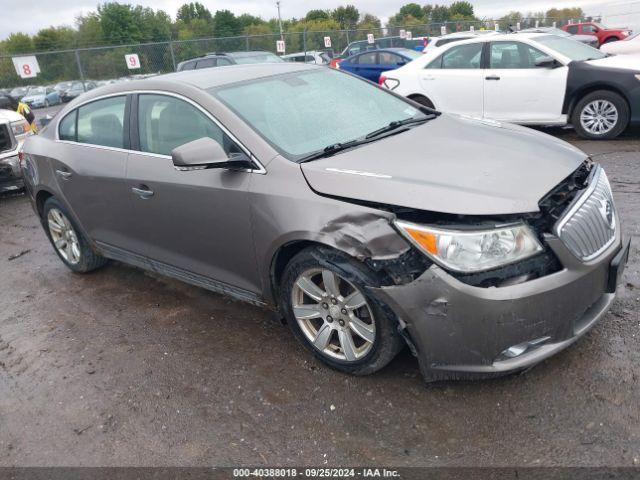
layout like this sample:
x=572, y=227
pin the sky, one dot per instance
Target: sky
x=31, y=15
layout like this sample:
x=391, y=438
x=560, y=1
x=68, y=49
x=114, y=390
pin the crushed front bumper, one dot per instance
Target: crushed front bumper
x=463, y=331
x=10, y=173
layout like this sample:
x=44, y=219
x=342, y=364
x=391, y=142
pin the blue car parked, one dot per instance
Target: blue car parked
x=371, y=63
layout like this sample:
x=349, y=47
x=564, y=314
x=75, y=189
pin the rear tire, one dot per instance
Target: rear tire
x=600, y=115
x=334, y=329
x=610, y=39
x=67, y=240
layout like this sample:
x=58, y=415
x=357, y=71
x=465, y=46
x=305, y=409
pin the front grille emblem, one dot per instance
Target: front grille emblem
x=606, y=210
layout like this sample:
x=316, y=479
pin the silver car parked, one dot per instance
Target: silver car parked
x=369, y=221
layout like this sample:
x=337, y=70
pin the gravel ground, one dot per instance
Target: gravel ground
x=122, y=367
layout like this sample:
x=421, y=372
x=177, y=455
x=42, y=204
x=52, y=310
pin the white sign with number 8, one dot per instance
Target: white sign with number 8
x=133, y=61
x=26, y=67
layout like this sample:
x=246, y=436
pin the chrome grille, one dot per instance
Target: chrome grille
x=589, y=227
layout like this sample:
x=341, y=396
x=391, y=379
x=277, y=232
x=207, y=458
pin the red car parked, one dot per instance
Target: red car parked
x=604, y=34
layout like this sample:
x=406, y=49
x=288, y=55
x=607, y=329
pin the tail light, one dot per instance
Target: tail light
x=381, y=80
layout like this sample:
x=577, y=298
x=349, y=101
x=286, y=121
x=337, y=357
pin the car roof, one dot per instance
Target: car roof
x=205, y=79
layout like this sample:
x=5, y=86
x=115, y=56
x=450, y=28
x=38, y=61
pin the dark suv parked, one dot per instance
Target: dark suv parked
x=223, y=59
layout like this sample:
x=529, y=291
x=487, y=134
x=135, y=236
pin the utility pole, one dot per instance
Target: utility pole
x=280, y=20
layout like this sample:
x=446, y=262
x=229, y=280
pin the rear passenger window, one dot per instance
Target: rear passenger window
x=572, y=29
x=166, y=122
x=206, y=63
x=67, y=127
x=101, y=122
x=463, y=57
x=223, y=61
x=368, y=58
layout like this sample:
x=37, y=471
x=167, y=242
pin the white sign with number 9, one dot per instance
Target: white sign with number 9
x=133, y=61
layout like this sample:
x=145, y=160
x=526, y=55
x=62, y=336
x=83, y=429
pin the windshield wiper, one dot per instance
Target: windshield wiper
x=331, y=150
x=398, y=124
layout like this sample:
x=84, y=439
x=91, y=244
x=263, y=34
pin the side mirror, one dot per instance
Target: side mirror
x=547, y=62
x=207, y=153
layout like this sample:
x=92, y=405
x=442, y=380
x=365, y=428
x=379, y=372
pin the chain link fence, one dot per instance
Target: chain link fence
x=108, y=63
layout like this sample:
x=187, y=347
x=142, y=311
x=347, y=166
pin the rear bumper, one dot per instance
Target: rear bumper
x=459, y=330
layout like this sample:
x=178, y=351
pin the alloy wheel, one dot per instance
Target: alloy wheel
x=599, y=117
x=64, y=237
x=333, y=315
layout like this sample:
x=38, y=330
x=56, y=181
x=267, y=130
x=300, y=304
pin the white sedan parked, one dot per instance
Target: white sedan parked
x=630, y=45
x=530, y=79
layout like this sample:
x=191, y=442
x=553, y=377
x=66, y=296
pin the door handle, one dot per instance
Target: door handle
x=64, y=174
x=143, y=192
x=429, y=77
x=492, y=77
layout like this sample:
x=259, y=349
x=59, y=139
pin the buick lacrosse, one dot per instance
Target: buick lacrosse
x=368, y=221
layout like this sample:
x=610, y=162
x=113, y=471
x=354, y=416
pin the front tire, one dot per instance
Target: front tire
x=600, y=115
x=67, y=240
x=324, y=299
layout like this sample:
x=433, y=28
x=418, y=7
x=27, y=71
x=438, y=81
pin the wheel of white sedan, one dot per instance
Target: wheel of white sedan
x=326, y=304
x=601, y=115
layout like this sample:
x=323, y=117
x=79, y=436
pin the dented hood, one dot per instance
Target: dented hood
x=450, y=164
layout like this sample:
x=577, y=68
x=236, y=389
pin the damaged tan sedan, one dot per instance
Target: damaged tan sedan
x=369, y=221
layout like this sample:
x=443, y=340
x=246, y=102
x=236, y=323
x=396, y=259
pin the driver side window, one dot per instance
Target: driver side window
x=165, y=123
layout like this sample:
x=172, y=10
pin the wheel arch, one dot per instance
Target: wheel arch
x=415, y=96
x=281, y=258
x=586, y=90
x=41, y=197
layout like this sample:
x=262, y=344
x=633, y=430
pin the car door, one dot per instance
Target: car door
x=366, y=66
x=90, y=168
x=515, y=90
x=193, y=224
x=453, y=81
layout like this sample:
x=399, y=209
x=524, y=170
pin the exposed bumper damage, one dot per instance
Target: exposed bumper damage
x=462, y=331
x=10, y=174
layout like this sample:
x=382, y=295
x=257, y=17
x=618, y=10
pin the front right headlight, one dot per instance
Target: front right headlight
x=472, y=250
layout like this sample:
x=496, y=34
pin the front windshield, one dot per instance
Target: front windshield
x=572, y=49
x=258, y=58
x=36, y=91
x=303, y=112
x=19, y=91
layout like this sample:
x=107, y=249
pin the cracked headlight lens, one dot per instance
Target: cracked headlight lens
x=472, y=250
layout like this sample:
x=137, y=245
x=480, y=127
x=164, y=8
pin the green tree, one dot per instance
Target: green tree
x=246, y=19
x=225, y=24
x=440, y=14
x=412, y=9
x=54, y=38
x=18, y=43
x=194, y=11
x=89, y=30
x=369, y=22
x=313, y=15
x=461, y=11
x=347, y=16
x=119, y=23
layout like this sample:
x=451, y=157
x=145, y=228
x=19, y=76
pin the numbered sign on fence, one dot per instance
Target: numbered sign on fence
x=518, y=26
x=280, y=46
x=370, y=38
x=497, y=27
x=443, y=30
x=327, y=42
x=537, y=24
x=555, y=24
x=409, y=35
x=133, y=61
x=26, y=67
x=472, y=28
x=403, y=33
